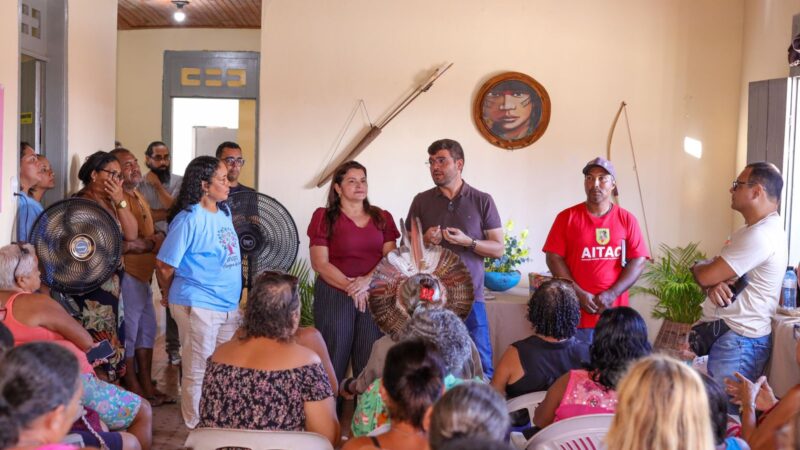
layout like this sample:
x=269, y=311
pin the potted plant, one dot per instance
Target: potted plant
x=305, y=287
x=501, y=273
x=669, y=279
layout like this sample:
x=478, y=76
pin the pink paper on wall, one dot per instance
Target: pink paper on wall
x=1, y=145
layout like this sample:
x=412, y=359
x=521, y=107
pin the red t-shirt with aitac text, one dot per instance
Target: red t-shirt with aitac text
x=592, y=249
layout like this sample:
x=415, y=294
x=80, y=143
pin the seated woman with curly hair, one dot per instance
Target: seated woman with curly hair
x=263, y=380
x=620, y=338
x=534, y=363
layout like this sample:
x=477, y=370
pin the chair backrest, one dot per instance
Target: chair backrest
x=576, y=433
x=218, y=438
x=528, y=401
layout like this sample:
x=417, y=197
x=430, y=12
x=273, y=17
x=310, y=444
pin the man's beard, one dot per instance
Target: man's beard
x=163, y=173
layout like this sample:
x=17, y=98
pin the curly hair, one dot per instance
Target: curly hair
x=553, y=309
x=272, y=307
x=333, y=207
x=413, y=376
x=662, y=405
x=95, y=162
x=149, y=151
x=469, y=410
x=37, y=378
x=620, y=337
x=199, y=170
x=447, y=332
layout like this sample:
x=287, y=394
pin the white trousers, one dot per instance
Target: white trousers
x=200, y=332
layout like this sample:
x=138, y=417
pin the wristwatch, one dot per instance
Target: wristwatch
x=122, y=204
x=473, y=244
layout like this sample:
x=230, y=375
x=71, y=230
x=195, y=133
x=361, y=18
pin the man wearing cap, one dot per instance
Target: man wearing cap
x=598, y=246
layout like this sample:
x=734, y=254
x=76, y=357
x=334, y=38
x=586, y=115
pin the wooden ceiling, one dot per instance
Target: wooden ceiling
x=138, y=14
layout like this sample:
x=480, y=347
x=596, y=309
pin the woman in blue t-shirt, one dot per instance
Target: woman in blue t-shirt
x=200, y=270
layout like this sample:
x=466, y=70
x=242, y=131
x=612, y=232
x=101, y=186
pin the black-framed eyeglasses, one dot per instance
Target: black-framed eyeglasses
x=230, y=161
x=114, y=175
x=23, y=251
x=736, y=183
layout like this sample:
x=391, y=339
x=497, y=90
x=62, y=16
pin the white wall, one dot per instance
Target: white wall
x=9, y=144
x=140, y=68
x=767, y=34
x=676, y=63
x=91, y=80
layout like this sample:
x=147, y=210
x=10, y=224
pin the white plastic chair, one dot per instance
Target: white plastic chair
x=576, y=433
x=217, y=438
x=528, y=401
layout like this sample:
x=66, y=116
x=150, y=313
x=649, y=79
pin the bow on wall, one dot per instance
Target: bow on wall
x=623, y=108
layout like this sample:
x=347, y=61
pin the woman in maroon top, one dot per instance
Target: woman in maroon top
x=348, y=239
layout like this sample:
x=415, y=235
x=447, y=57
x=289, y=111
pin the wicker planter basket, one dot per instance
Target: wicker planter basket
x=673, y=339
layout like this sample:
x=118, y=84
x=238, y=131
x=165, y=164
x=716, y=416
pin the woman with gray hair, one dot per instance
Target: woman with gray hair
x=262, y=379
x=447, y=332
x=34, y=317
x=469, y=410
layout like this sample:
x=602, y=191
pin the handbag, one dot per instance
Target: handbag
x=703, y=335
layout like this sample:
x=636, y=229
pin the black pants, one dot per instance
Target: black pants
x=348, y=333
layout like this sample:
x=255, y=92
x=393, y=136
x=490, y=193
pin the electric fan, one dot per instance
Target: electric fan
x=267, y=233
x=415, y=276
x=79, y=245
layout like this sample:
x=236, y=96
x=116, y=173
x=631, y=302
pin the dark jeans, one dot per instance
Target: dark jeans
x=173, y=343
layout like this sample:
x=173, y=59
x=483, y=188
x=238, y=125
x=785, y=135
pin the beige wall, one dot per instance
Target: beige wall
x=9, y=80
x=767, y=34
x=140, y=67
x=676, y=63
x=91, y=81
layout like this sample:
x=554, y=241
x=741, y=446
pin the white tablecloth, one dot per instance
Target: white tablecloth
x=783, y=371
x=507, y=314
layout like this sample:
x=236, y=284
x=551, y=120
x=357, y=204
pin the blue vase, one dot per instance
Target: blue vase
x=501, y=281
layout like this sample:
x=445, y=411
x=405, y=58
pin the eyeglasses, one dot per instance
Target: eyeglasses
x=230, y=161
x=736, y=183
x=603, y=179
x=159, y=158
x=440, y=161
x=113, y=174
x=23, y=251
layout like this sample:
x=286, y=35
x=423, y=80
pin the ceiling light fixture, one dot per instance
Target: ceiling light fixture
x=179, y=15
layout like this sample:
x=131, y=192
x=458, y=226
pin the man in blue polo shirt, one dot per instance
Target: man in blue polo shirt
x=464, y=220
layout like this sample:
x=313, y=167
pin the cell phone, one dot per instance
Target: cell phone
x=102, y=351
x=739, y=286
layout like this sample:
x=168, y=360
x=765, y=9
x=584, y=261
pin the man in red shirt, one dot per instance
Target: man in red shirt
x=598, y=245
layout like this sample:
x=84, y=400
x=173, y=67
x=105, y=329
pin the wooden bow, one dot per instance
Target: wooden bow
x=623, y=107
x=375, y=129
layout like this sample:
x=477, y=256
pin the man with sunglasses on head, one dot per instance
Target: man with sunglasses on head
x=758, y=249
x=598, y=245
x=464, y=220
x=160, y=188
x=231, y=154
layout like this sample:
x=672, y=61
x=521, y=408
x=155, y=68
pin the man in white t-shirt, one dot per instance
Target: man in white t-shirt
x=759, y=249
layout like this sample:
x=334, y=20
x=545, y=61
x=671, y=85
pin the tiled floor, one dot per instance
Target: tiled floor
x=169, y=432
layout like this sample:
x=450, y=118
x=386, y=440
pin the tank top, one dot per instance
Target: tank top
x=543, y=362
x=24, y=334
x=585, y=396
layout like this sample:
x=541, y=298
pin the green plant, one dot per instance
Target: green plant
x=305, y=286
x=516, y=252
x=671, y=282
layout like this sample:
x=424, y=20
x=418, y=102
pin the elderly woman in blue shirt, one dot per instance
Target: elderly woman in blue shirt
x=28, y=209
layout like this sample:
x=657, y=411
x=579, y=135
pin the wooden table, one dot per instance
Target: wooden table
x=507, y=314
x=783, y=371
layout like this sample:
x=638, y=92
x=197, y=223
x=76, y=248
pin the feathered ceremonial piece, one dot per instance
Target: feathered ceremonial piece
x=415, y=276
